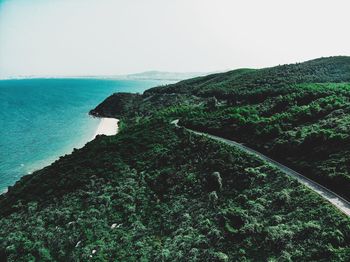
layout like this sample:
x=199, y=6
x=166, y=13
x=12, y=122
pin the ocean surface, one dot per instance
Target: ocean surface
x=42, y=119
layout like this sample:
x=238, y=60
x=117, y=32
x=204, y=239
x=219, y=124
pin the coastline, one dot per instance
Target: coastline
x=107, y=126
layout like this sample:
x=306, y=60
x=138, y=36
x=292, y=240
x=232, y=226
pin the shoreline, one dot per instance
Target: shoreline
x=107, y=126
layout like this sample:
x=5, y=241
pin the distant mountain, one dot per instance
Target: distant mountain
x=160, y=75
x=147, y=75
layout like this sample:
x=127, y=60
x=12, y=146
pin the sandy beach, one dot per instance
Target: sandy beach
x=107, y=126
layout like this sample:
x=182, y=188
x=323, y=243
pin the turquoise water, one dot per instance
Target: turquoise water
x=42, y=119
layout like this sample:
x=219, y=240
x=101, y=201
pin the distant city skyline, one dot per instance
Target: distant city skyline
x=94, y=37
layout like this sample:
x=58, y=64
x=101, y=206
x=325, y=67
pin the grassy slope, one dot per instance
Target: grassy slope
x=156, y=184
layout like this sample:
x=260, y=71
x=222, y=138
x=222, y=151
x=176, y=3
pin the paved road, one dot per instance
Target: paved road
x=342, y=204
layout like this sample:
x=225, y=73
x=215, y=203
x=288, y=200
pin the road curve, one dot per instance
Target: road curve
x=339, y=202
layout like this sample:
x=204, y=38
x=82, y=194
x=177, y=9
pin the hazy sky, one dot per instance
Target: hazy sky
x=102, y=37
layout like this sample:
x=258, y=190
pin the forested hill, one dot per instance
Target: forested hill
x=232, y=86
x=332, y=69
x=297, y=114
x=155, y=192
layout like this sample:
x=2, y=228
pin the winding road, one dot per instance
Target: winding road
x=339, y=202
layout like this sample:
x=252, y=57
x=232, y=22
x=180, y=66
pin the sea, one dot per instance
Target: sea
x=42, y=119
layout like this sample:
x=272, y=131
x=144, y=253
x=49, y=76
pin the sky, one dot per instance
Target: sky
x=110, y=37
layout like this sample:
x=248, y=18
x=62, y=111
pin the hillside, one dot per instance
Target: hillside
x=297, y=114
x=155, y=192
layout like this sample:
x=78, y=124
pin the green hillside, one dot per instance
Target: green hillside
x=155, y=192
x=297, y=114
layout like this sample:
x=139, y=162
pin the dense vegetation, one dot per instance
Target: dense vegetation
x=308, y=129
x=297, y=114
x=159, y=193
